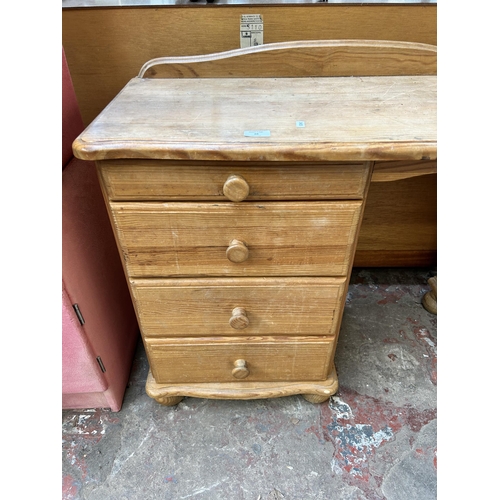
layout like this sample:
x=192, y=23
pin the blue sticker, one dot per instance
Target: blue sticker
x=257, y=133
x=300, y=124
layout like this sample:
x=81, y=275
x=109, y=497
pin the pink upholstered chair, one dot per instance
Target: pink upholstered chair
x=99, y=326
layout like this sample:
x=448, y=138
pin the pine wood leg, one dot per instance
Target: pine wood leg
x=315, y=398
x=429, y=300
x=321, y=396
x=169, y=400
x=160, y=393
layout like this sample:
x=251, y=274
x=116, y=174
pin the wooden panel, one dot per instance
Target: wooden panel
x=347, y=119
x=165, y=180
x=283, y=238
x=399, y=224
x=320, y=389
x=212, y=359
x=204, y=307
x=304, y=59
x=106, y=47
x=388, y=171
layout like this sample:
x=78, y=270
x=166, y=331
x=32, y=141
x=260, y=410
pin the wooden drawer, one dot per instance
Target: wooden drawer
x=129, y=180
x=280, y=238
x=242, y=306
x=214, y=360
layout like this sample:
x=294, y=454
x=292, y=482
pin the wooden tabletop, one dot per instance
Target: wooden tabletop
x=268, y=119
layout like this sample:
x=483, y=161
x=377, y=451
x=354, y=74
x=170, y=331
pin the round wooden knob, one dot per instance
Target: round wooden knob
x=237, y=251
x=239, y=319
x=240, y=369
x=236, y=188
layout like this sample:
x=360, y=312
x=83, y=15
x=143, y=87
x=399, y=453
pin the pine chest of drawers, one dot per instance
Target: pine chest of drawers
x=236, y=203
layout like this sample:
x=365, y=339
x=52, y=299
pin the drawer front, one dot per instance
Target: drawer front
x=240, y=360
x=235, y=239
x=245, y=306
x=165, y=180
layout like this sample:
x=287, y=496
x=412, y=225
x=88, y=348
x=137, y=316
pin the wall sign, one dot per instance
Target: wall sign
x=251, y=30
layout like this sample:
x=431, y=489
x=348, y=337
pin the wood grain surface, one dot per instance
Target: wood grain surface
x=307, y=58
x=186, y=181
x=388, y=171
x=173, y=393
x=203, y=307
x=401, y=232
x=106, y=47
x=268, y=359
x=346, y=119
x=283, y=238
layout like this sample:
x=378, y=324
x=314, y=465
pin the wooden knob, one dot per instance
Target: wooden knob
x=236, y=188
x=239, y=319
x=240, y=369
x=237, y=251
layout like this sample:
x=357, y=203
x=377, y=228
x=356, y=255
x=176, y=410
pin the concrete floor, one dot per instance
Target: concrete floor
x=375, y=439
